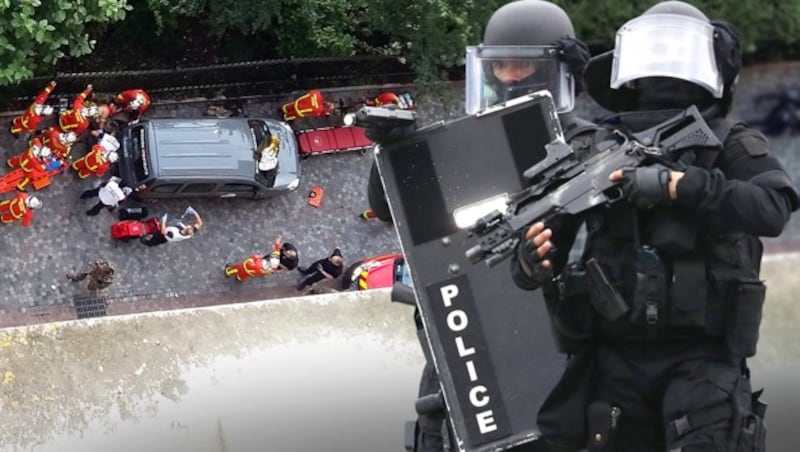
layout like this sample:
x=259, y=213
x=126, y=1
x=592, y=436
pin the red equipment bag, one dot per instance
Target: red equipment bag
x=127, y=230
x=133, y=229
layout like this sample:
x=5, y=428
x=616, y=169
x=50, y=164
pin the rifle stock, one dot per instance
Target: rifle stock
x=563, y=184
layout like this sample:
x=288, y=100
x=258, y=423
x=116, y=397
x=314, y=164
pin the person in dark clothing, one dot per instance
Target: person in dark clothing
x=283, y=256
x=328, y=268
x=100, y=275
x=682, y=251
x=528, y=45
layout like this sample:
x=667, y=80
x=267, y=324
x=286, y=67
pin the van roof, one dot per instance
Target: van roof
x=199, y=146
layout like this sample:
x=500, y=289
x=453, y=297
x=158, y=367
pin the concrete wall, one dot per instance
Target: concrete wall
x=329, y=372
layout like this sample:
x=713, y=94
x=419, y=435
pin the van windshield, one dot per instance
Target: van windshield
x=260, y=132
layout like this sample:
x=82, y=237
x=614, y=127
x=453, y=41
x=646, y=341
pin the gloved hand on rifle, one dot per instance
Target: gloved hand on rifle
x=533, y=253
x=648, y=186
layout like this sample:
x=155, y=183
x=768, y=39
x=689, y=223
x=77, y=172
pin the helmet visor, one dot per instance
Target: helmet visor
x=500, y=73
x=666, y=45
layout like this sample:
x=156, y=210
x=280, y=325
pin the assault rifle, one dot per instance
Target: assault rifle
x=561, y=183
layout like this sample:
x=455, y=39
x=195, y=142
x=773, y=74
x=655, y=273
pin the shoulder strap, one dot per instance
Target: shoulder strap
x=578, y=127
x=722, y=128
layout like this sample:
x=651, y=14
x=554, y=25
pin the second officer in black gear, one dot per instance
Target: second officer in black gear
x=528, y=45
x=668, y=371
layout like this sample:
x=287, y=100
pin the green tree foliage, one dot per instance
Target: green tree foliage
x=35, y=34
x=429, y=34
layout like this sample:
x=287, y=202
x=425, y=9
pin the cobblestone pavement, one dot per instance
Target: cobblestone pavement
x=34, y=260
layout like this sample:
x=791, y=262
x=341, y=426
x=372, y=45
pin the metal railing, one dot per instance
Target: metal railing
x=231, y=80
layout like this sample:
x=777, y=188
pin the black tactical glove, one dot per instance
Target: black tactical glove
x=531, y=262
x=646, y=186
x=574, y=54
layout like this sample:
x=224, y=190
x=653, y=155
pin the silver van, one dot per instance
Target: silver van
x=207, y=157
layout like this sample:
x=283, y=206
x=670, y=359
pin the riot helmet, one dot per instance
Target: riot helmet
x=671, y=56
x=522, y=52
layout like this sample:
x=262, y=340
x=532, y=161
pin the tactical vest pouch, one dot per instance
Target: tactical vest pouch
x=673, y=232
x=747, y=302
x=571, y=313
x=749, y=431
x=650, y=292
x=688, y=293
x=602, y=419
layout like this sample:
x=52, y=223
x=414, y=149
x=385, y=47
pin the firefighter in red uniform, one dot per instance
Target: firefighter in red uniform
x=99, y=158
x=404, y=101
x=59, y=142
x=28, y=121
x=387, y=98
x=76, y=119
x=309, y=104
x=31, y=162
x=132, y=101
x=19, y=208
x=254, y=265
x=281, y=256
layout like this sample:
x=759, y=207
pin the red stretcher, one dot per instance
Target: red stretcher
x=333, y=139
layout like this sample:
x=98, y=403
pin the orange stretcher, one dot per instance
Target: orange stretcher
x=9, y=181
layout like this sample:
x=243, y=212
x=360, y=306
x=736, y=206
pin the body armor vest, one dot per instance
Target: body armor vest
x=677, y=278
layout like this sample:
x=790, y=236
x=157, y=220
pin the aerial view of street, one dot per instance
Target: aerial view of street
x=589, y=243
x=62, y=238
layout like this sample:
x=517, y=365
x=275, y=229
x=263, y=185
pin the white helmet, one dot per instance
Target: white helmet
x=67, y=137
x=109, y=142
x=112, y=156
x=91, y=111
x=137, y=101
x=33, y=202
x=43, y=110
x=44, y=152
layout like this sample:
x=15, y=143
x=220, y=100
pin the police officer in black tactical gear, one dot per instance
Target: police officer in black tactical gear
x=668, y=372
x=528, y=45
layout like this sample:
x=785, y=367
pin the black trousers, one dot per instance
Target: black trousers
x=314, y=276
x=95, y=209
x=685, y=396
x=154, y=240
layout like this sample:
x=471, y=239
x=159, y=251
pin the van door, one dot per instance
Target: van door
x=238, y=190
x=199, y=189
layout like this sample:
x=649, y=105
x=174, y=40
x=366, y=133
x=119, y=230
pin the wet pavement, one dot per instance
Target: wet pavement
x=34, y=260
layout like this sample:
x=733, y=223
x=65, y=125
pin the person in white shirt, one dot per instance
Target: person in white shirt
x=110, y=195
x=177, y=232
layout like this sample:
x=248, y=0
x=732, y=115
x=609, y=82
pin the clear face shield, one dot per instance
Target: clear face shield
x=666, y=45
x=499, y=73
